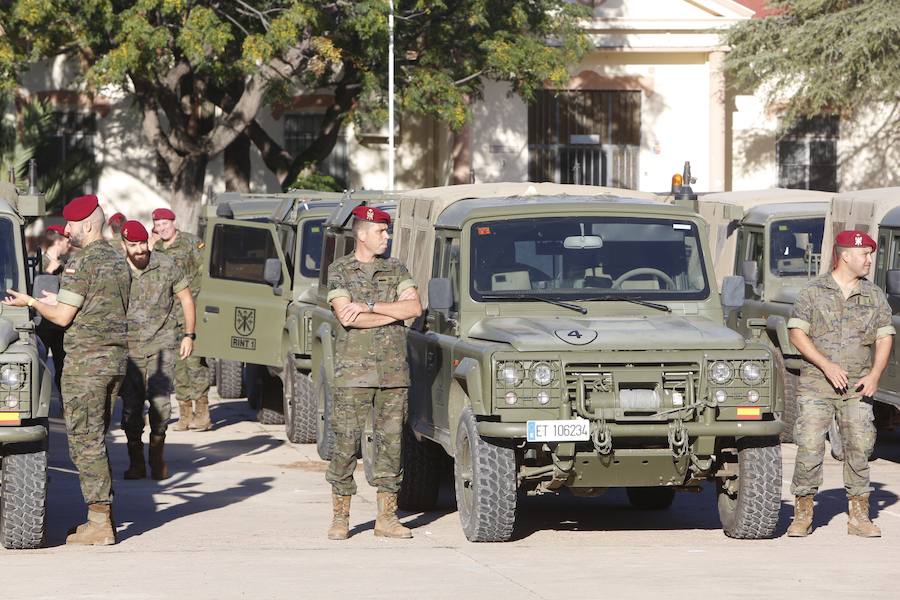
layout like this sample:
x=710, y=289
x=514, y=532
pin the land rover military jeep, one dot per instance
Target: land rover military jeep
x=25, y=385
x=573, y=338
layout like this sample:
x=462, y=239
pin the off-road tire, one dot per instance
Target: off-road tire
x=23, y=496
x=211, y=363
x=422, y=466
x=753, y=513
x=299, y=405
x=268, y=416
x=485, y=480
x=230, y=379
x=651, y=498
x=324, y=432
x=791, y=407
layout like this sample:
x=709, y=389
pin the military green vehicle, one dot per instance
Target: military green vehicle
x=25, y=382
x=573, y=338
x=258, y=277
x=773, y=239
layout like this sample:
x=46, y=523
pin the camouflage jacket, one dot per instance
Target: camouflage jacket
x=96, y=281
x=152, y=323
x=373, y=357
x=187, y=252
x=844, y=330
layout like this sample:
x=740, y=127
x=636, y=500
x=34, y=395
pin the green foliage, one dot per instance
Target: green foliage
x=820, y=56
x=316, y=181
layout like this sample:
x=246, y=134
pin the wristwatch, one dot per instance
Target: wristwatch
x=371, y=306
x=193, y=336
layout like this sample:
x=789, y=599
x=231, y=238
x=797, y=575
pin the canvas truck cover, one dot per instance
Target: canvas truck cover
x=722, y=209
x=862, y=209
x=418, y=210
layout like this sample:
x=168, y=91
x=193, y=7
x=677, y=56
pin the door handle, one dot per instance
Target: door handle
x=211, y=309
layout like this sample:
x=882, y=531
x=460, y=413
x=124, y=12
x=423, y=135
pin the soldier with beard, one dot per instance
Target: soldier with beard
x=156, y=282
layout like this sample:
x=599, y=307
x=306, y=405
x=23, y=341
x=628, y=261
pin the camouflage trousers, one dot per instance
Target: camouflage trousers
x=856, y=422
x=191, y=379
x=87, y=406
x=148, y=379
x=350, y=411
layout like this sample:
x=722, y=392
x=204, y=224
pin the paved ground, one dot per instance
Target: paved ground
x=245, y=512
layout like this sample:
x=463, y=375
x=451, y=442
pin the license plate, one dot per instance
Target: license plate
x=577, y=430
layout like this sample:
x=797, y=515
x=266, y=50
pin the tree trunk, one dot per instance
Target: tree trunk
x=462, y=157
x=187, y=189
x=237, y=165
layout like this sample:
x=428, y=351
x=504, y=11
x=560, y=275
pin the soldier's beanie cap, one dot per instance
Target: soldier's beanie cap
x=852, y=238
x=163, y=213
x=369, y=213
x=80, y=208
x=134, y=231
x=116, y=218
x=59, y=229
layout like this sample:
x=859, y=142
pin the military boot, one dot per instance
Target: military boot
x=185, y=415
x=136, y=469
x=803, y=517
x=99, y=530
x=386, y=523
x=859, y=523
x=201, y=420
x=158, y=468
x=340, y=520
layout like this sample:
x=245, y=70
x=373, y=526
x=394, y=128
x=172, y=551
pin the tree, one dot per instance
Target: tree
x=812, y=57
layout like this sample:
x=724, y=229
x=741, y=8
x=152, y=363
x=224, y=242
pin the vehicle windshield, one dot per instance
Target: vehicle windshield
x=571, y=258
x=9, y=264
x=788, y=242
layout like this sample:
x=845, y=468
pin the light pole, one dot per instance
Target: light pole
x=390, y=185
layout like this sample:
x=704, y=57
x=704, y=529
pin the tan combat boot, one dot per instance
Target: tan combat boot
x=803, y=517
x=136, y=469
x=340, y=520
x=859, y=523
x=158, y=468
x=201, y=420
x=386, y=523
x=99, y=529
x=185, y=415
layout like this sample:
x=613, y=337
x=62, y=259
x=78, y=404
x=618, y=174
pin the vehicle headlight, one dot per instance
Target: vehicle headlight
x=542, y=373
x=720, y=372
x=752, y=372
x=12, y=377
x=510, y=373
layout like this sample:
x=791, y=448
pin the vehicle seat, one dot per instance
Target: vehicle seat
x=595, y=277
x=510, y=280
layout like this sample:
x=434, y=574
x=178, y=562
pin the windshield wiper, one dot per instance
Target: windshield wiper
x=655, y=305
x=568, y=305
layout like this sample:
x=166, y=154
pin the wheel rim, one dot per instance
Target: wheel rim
x=465, y=474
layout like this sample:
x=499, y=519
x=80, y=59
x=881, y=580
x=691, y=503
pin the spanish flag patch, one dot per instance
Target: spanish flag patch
x=750, y=413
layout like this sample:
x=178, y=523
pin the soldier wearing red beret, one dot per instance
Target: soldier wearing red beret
x=839, y=321
x=371, y=297
x=92, y=302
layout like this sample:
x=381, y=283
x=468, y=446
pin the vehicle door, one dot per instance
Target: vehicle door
x=888, y=257
x=751, y=248
x=240, y=315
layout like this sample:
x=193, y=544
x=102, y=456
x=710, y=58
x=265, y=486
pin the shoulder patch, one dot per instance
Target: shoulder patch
x=70, y=270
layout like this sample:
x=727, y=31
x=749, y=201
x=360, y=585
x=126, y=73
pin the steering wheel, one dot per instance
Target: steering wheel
x=670, y=283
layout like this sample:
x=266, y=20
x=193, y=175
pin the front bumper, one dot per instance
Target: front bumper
x=28, y=433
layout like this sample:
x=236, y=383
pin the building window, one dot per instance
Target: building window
x=301, y=130
x=807, y=154
x=585, y=136
x=70, y=149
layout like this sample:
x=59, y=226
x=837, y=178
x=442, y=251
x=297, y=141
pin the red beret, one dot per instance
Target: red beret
x=80, y=208
x=369, y=213
x=163, y=213
x=60, y=229
x=116, y=218
x=134, y=231
x=852, y=238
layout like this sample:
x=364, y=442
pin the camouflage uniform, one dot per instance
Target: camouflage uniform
x=844, y=330
x=191, y=374
x=153, y=340
x=96, y=281
x=370, y=371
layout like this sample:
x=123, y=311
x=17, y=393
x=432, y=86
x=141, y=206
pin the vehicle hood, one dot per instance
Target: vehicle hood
x=8, y=334
x=664, y=332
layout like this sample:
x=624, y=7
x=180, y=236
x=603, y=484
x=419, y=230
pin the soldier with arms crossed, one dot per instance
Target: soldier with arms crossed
x=371, y=297
x=839, y=321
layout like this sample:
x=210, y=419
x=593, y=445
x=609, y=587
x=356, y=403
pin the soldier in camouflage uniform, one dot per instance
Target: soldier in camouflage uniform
x=838, y=320
x=92, y=302
x=371, y=297
x=153, y=341
x=191, y=374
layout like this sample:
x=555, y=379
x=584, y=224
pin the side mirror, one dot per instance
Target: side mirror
x=893, y=282
x=272, y=272
x=750, y=272
x=733, y=291
x=440, y=294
